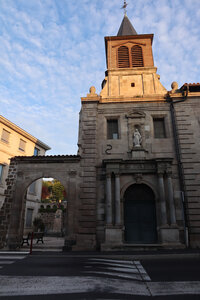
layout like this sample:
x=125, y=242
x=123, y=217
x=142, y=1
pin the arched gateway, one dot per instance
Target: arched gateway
x=22, y=172
x=139, y=215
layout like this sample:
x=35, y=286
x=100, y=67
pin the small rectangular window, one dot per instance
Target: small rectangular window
x=159, y=128
x=36, y=151
x=29, y=216
x=5, y=136
x=112, y=129
x=22, y=145
x=1, y=172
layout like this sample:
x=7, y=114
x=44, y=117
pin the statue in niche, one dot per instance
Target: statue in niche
x=137, y=138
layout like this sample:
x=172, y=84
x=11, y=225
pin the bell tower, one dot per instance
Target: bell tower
x=130, y=65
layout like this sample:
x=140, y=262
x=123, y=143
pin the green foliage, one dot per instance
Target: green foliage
x=58, y=191
x=53, y=191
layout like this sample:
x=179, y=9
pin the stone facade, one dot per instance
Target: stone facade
x=135, y=181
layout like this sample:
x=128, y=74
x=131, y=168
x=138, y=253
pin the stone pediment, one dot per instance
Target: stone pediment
x=136, y=115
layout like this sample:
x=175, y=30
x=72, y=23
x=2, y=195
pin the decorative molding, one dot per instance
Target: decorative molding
x=136, y=115
x=128, y=42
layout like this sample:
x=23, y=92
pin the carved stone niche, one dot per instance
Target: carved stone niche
x=136, y=123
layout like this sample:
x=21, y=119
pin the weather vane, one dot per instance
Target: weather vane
x=124, y=7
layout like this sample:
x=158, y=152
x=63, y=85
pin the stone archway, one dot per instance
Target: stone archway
x=140, y=215
x=22, y=172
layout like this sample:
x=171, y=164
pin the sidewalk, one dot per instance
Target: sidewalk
x=55, y=244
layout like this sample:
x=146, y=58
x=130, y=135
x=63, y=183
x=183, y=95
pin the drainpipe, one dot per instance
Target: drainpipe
x=178, y=157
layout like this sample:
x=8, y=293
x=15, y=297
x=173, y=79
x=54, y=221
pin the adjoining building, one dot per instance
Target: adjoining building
x=15, y=141
x=135, y=183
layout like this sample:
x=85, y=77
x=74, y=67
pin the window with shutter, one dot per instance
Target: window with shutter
x=123, y=57
x=5, y=136
x=137, y=57
x=22, y=145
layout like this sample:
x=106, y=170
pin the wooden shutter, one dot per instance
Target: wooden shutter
x=123, y=57
x=22, y=145
x=5, y=136
x=137, y=57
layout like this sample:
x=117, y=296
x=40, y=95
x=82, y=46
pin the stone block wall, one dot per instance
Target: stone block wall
x=86, y=238
x=6, y=209
x=188, y=125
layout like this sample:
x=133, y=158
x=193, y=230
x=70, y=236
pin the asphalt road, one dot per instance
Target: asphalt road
x=52, y=275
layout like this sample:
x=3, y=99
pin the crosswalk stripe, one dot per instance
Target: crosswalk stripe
x=6, y=262
x=112, y=260
x=133, y=276
x=142, y=271
x=133, y=270
x=11, y=256
x=124, y=269
x=9, y=259
x=114, y=264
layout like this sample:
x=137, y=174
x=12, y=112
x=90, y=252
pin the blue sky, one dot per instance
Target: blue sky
x=52, y=51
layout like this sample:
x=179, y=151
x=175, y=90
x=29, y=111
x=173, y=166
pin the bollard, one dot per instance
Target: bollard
x=31, y=245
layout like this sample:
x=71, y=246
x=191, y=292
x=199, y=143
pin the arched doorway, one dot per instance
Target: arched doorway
x=139, y=215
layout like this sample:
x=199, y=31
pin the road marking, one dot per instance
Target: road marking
x=6, y=262
x=11, y=256
x=26, y=285
x=112, y=260
x=142, y=271
x=9, y=259
x=15, y=252
x=114, y=264
x=119, y=267
x=123, y=270
x=174, y=288
x=121, y=275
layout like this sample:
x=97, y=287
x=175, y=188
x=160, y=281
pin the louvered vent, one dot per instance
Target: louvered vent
x=137, y=57
x=123, y=57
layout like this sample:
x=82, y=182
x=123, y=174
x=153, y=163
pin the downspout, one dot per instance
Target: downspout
x=178, y=157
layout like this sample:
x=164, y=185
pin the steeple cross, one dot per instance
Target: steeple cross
x=124, y=7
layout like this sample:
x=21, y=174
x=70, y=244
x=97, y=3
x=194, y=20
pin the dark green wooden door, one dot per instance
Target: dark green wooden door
x=140, y=215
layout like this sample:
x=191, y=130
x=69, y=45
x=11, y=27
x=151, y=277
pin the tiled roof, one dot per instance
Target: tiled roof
x=192, y=87
x=47, y=158
x=192, y=84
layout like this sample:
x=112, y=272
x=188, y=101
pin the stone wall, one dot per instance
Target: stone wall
x=86, y=238
x=188, y=129
x=6, y=209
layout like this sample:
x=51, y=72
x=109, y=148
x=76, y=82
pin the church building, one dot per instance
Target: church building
x=135, y=182
x=139, y=152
